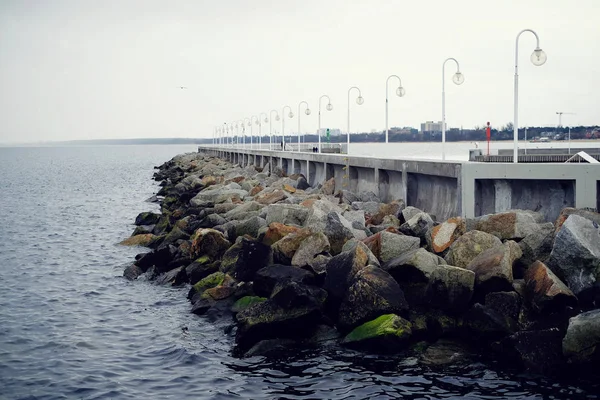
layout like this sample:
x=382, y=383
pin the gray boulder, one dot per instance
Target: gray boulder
x=450, y=288
x=409, y=212
x=537, y=245
x=314, y=244
x=250, y=226
x=469, y=246
x=575, y=256
x=418, y=226
x=287, y=214
x=337, y=232
x=545, y=291
x=493, y=268
x=582, y=341
x=510, y=225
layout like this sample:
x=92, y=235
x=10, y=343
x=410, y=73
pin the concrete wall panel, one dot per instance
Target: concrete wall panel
x=434, y=194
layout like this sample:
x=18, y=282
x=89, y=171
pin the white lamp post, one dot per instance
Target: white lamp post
x=400, y=92
x=260, y=128
x=307, y=112
x=244, y=129
x=291, y=115
x=538, y=57
x=271, y=127
x=239, y=124
x=458, y=79
x=359, y=101
x=251, y=130
x=328, y=107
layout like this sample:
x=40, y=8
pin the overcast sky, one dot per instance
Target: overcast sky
x=111, y=69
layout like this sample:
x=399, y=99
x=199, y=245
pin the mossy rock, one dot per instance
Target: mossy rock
x=162, y=225
x=139, y=240
x=387, y=332
x=169, y=201
x=211, y=281
x=246, y=302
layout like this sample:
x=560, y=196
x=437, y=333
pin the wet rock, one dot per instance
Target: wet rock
x=493, y=268
x=582, y=342
x=170, y=277
x=536, y=245
x=143, y=229
x=510, y=225
x=385, y=333
x=545, y=291
x=440, y=237
x=446, y=352
x=469, y=246
x=575, y=256
x=175, y=235
x=486, y=323
x=245, y=257
x=245, y=302
x=386, y=245
x=287, y=214
x=313, y=245
x=584, y=213
x=209, y=242
x=159, y=258
x=450, y=288
x=418, y=226
x=147, y=218
x=200, y=268
x=271, y=348
x=539, y=350
x=212, y=220
x=139, y=240
x=277, y=231
x=336, y=232
x=285, y=248
x=373, y=292
x=266, y=278
x=291, y=294
x=250, y=226
x=505, y=304
x=132, y=272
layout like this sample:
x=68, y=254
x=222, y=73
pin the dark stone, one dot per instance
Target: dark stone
x=271, y=348
x=302, y=184
x=506, y=304
x=200, y=269
x=266, y=278
x=245, y=258
x=290, y=294
x=538, y=351
x=170, y=277
x=160, y=258
x=147, y=218
x=482, y=322
x=132, y=272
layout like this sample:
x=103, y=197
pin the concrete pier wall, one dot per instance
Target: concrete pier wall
x=442, y=188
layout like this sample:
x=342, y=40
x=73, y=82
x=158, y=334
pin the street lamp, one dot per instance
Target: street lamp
x=244, y=129
x=251, y=130
x=400, y=92
x=238, y=124
x=260, y=128
x=307, y=112
x=271, y=127
x=538, y=57
x=359, y=101
x=290, y=115
x=458, y=79
x=328, y=107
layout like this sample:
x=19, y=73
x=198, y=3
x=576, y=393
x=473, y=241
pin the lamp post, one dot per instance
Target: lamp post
x=328, y=107
x=400, y=92
x=251, y=130
x=226, y=134
x=359, y=101
x=538, y=57
x=290, y=115
x=271, y=127
x=307, y=112
x=244, y=129
x=458, y=79
x=260, y=128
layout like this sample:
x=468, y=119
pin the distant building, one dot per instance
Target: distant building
x=332, y=132
x=407, y=130
x=432, y=127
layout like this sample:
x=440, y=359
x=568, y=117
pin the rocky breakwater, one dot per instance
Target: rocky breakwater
x=294, y=265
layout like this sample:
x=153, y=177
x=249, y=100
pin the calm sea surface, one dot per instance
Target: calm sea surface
x=72, y=328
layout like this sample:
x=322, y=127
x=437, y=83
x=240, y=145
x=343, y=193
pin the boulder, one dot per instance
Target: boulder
x=537, y=245
x=147, y=218
x=582, y=342
x=328, y=186
x=483, y=322
x=347, y=197
x=510, y=225
x=353, y=243
x=277, y=231
x=209, y=242
x=132, y=272
x=440, y=237
x=493, y=268
x=174, y=235
x=313, y=245
x=367, y=195
x=469, y=246
x=218, y=195
x=245, y=257
x=385, y=333
x=200, y=268
x=564, y=214
x=212, y=220
x=539, y=351
x=287, y=214
x=505, y=304
x=545, y=291
x=301, y=183
x=370, y=207
x=143, y=229
x=291, y=294
x=245, y=302
x=241, y=210
x=575, y=256
x=139, y=240
x=250, y=226
x=408, y=212
x=450, y=288
x=266, y=278
x=337, y=232
x=446, y=352
x=392, y=209
x=159, y=258
x=418, y=226
x=285, y=248
x=386, y=245
x=373, y=292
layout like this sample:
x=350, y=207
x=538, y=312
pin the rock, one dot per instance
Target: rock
x=290, y=294
x=353, y=243
x=285, y=248
x=510, y=225
x=469, y=246
x=505, y=304
x=256, y=190
x=545, y=291
x=493, y=268
x=418, y=226
x=245, y=302
x=209, y=242
x=313, y=245
x=271, y=348
x=340, y=272
x=218, y=195
x=241, y=210
x=245, y=257
x=582, y=342
x=564, y=214
x=277, y=231
x=385, y=333
x=370, y=207
x=139, y=240
x=212, y=280
x=487, y=324
x=386, y=245
x=287, y=214
x=143, y=229
x=268, y=320
x=393, y=209
x=373, y=292
x=539, y=351
x=160, y=258
x=266, y=278
x=201, y=268
x=368, y=196
x=336, y=232
x=409, y=212
x=302, y=184
x=328, y=186
x=445, y=352
x=171, y=277
x=347, y=196
x=175, y=235
x=289, y=188
x=537, y=245
x=250, y=226
x=440, y=237
x=357, y=216
x=575, y=256
x=147, y=218
x=450, y=288
x=132, y=272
